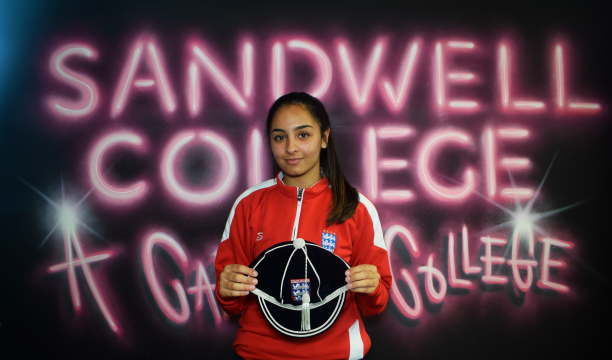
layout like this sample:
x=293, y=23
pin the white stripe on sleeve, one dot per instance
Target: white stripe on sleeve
x=356, y=343
x=228, y=224
x=378, y=234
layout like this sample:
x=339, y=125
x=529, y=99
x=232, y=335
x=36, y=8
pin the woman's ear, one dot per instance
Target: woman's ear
x=325, y=138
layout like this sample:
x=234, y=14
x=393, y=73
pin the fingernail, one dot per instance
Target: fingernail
x=347, y=273
x=255, y=282
x=254, y=273
x=252, y=287
x=348, y=279
x=246, y=293
x=349, y=286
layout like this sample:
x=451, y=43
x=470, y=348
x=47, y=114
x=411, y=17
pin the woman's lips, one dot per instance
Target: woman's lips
x=292, y=161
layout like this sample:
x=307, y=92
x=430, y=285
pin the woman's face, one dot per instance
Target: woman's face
x=296, y=142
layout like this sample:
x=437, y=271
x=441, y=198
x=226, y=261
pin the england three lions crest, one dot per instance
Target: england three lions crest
x=328, y=240
x=299, y=287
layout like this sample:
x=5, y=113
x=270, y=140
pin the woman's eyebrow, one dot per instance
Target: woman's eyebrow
x=296, y=128
x=302, y=127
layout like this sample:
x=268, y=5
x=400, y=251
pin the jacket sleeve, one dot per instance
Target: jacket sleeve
x=234, y=249
x=369, y=248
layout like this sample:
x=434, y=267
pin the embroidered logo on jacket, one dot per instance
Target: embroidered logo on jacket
x=259, y=236
x=328, y=240
x=299, y=287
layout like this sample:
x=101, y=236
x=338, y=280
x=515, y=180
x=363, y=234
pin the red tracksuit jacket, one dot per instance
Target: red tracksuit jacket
x=267, y=214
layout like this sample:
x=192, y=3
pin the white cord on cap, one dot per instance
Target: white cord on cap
x=306, y=296
x=300, y=243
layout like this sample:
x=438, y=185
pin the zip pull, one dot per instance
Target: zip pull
x=297, y=214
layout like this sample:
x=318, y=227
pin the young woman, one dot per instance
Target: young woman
x=310, y=196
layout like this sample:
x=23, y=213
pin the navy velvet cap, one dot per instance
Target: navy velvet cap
x=301, y=287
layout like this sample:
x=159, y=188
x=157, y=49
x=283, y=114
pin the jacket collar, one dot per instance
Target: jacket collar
x=309, y=193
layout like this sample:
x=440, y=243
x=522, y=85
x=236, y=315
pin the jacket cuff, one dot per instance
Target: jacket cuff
x=374, y=303
x=376, y=291
x=230, y=305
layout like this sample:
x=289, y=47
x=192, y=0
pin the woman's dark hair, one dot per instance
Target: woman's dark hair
x=345, y=198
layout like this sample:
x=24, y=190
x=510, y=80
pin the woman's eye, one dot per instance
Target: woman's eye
x=303, y=135
x=279, y=137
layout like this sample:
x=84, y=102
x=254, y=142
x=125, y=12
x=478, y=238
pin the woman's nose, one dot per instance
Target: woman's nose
x=292, y=147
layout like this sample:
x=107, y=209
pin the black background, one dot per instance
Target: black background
x=36, y=314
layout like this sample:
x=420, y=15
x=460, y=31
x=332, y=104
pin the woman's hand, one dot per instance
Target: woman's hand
x=362, y=279
x=237, y=280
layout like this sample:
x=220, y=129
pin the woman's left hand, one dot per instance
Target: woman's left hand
x=362, y=278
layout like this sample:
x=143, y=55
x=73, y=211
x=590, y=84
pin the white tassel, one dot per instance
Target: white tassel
x=306, y=312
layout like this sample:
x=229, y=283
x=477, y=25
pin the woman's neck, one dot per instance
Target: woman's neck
x=302, y=182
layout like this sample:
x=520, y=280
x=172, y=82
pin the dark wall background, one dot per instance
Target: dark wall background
x=36, y=313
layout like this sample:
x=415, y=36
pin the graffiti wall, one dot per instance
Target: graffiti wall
x=480, y=133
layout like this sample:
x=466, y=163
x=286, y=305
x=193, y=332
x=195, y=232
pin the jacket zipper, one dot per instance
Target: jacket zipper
x=296, y=222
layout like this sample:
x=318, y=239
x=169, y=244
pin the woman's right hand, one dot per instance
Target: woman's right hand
x=237, y=280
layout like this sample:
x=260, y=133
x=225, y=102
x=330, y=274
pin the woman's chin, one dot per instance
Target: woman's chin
x=293, y=172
